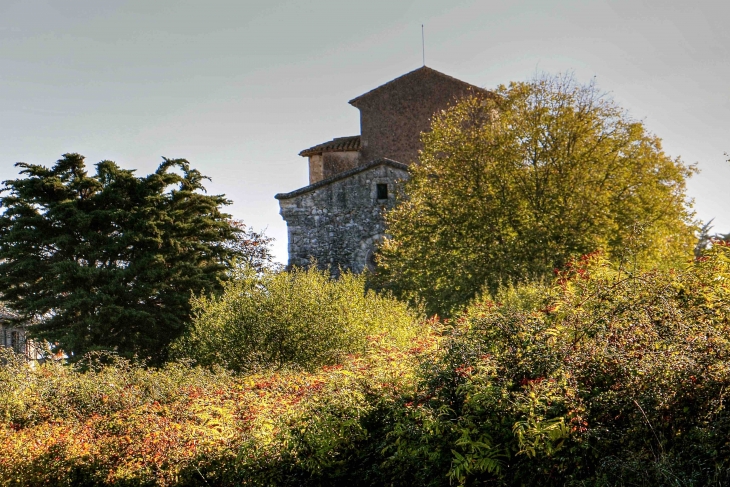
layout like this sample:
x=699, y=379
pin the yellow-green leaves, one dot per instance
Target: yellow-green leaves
x=510, y=187
x=301, y=318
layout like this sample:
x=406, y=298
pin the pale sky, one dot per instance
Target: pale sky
x=240, y=87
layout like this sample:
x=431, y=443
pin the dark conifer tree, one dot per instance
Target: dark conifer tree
x=109, y=261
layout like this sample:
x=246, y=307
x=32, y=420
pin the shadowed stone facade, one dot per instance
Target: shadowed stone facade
x=338, y=219
x=393, y=115
x=340, y=222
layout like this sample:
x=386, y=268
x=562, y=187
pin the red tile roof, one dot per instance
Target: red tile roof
x=338, y=144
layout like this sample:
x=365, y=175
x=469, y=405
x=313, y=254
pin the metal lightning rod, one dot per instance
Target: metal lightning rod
x=423, y=45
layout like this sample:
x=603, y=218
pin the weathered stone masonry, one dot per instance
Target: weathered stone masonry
x=338, y=219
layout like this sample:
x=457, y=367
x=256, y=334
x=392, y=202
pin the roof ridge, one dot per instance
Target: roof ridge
x=422, y=68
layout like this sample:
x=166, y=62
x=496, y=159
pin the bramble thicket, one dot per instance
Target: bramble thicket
x=606, y=376
x=583, y=346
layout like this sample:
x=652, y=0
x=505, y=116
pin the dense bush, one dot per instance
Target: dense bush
x=604, y=377
x=123, y=425
x=300, y=318
x=100, y=384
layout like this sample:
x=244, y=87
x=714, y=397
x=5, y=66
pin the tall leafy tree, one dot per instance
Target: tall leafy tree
x=510, y=187
x=110, y=260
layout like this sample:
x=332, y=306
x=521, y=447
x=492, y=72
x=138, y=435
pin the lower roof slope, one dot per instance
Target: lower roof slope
x=343, y=175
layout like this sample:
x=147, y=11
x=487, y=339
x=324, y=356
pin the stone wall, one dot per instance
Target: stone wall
x=393, y=116
x=339, y=221
x=336, y=162
x=328, y=164
x=316, y=168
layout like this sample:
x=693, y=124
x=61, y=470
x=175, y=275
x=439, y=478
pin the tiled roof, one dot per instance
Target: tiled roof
x=420, y=71
x=350, y=143
x=343, y=175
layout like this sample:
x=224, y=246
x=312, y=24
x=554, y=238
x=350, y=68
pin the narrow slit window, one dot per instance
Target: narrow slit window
x=382, y=190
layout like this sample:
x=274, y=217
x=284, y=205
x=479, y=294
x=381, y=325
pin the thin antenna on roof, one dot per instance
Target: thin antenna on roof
x=423, y=45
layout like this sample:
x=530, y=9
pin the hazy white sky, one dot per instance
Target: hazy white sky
x=240, y=87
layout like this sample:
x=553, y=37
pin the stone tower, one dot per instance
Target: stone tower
x=338, y=218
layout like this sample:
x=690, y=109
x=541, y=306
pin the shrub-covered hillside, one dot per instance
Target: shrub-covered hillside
x=602, y=377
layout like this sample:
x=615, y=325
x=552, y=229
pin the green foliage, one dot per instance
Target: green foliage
x=109, y=261
x=187, y=426
x=100, y=383
x=511, y=186
x=605, y=376
x=301, y=318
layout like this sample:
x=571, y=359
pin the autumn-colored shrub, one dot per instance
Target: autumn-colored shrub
x=605, y=377
x=187, y=425
x=301, y=318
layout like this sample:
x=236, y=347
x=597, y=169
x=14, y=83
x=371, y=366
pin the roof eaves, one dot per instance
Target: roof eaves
x=338, y=144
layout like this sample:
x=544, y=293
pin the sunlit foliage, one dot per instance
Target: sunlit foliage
x=509, y=187
x=301, y=318
x=605, y=376
x=120, y=424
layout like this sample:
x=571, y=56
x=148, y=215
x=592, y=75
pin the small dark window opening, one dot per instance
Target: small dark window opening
x=382, y=190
